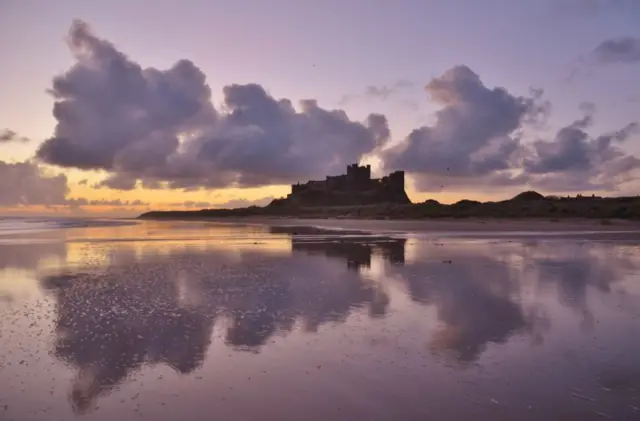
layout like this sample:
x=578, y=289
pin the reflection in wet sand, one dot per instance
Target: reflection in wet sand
x=138, y=312
x=107, y=328
x=30, y=255
x=124, y=309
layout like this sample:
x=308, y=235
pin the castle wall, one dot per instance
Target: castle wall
x=337, y=183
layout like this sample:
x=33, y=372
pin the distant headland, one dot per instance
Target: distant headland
x=356, y=195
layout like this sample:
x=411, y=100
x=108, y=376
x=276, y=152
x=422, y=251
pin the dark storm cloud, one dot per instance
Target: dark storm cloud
x=24, y=183
x=618, y=50
x=8, y=135
x=160, y=126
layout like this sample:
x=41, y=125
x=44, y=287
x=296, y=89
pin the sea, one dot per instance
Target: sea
x=12, y=225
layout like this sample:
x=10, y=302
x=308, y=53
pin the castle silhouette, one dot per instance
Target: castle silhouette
x=356, y=187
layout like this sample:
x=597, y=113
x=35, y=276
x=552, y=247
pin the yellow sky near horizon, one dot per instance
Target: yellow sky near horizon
x=166, y=199
x=82, y=186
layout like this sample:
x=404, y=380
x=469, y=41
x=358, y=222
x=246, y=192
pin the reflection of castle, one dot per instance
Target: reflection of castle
x=356, y=253
x=356, y=187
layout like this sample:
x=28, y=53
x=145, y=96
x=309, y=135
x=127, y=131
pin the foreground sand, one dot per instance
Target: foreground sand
x=155, y=320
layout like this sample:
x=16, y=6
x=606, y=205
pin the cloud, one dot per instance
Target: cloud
x=383, y=92
x=159, y=126
x=24, y=183
x=112, y=113
x=230, y=204
x=262, y=140
x=159, y=129
x=79, y=202
x=576, y=161
x=475, y=133
x=618, y=50
x=7, y=136
x=476, y=140
x=195, y=204
x=118, y=182
x=244, y=203
x=117, y=202
x=378, y=92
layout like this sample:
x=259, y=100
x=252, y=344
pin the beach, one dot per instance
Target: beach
x=487, y=226
x=284, y=319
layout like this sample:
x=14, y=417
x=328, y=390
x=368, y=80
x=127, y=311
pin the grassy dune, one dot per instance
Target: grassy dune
x=524, y=205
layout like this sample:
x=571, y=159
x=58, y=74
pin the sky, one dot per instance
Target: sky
x=114, y=107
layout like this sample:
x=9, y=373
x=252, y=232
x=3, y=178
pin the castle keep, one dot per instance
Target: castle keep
x=356, y=187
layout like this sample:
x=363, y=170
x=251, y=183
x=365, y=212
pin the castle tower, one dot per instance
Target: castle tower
x=396, y=180
x=358, y=178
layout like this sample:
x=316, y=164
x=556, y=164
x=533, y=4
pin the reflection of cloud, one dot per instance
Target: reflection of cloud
x=473, y=298
x=620, y=380
x=18, y=262
x=108, y=327
x=478, y=295
x=146, y=310
x=28, y=255
x=573, y=269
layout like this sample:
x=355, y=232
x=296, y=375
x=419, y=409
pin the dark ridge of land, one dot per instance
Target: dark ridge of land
x=525, y=205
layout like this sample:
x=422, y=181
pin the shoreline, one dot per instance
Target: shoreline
x=488, y=226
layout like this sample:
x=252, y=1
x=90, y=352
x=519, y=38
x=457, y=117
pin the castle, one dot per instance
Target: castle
x=356, y=187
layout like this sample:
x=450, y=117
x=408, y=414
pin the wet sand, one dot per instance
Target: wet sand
x=440, y=225
x=167, y=320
